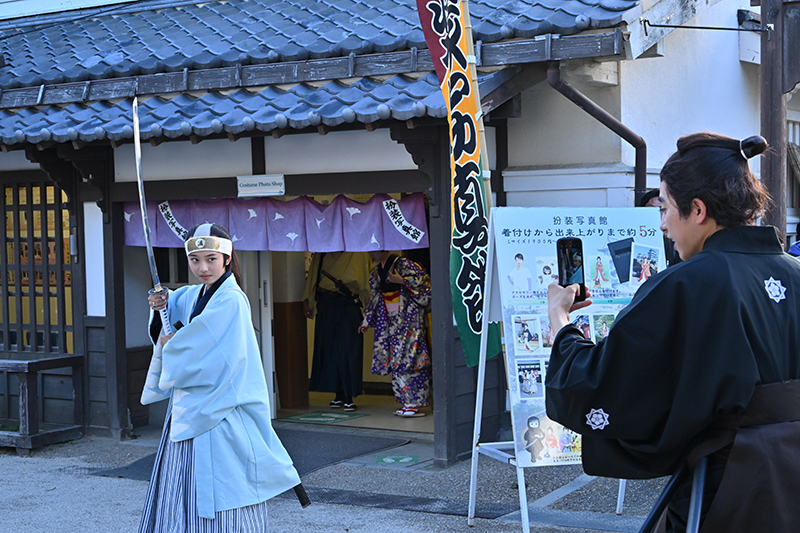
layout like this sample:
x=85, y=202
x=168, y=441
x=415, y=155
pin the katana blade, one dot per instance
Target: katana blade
x=137, y=147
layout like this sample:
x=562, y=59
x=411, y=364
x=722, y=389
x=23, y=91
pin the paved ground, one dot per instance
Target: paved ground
x=55, y=490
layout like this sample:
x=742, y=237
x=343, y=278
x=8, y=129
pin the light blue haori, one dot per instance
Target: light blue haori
x=212, y=370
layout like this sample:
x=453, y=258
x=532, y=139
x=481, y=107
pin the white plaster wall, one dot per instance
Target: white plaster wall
x=699, y=85
x=554, y=131
x=10, y=9
x=559, y=155
x=16, y=160
x=579, y=186
x=793, y=104
x=137, y=283
x=95, y=260
x=348, y=151
x=183, y=160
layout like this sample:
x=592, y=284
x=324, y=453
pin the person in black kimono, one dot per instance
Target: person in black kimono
x=675, y=377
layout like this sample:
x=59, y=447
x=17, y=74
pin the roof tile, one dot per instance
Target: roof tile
x=154, y=36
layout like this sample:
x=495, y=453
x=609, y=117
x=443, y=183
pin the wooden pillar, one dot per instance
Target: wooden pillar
x=290, y=331
x=96, y=166
x=454, y=384
x=28, y=400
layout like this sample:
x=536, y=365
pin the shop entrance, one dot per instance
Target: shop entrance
x=293, y=344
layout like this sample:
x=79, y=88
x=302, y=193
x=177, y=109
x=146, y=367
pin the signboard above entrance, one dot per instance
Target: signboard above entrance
x=264, y=185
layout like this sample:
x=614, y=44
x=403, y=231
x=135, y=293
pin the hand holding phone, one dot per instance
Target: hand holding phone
x=570, y=264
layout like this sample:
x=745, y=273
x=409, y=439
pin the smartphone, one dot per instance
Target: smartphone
x=569, y=251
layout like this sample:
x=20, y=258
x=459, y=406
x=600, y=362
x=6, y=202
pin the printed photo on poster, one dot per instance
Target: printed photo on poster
x=526, y=334
x=529, y=376
x=520, y=276
x=600, y=272
x=621, y=256
x=584, y=324
x=602, y=325
x=546, y=271
x=541, y=441
x=548, y=336
x=569, y=442
x=644, y=263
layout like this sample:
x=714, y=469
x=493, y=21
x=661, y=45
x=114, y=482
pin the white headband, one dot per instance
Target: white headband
x=203, y=241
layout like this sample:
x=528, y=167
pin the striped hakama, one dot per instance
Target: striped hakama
x=171, y=502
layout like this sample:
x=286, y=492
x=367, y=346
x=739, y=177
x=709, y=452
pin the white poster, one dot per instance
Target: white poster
x=622, y=248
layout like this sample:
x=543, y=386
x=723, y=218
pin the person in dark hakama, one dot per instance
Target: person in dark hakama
x=702, y=345
x=335, y=291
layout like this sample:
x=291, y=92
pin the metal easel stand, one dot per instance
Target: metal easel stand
x=496, y=450
x=501, y=451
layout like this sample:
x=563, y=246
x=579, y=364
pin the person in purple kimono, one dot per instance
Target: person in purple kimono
x=399, y=292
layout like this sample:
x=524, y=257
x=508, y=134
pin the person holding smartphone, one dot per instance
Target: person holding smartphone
x=702, y=344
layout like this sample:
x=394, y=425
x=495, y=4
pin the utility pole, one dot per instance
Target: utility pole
x=773, y=112
x=780, y=72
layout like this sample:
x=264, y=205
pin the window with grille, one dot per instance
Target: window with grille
x=36, y=278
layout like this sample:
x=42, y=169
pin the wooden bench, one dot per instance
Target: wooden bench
x=32, y=434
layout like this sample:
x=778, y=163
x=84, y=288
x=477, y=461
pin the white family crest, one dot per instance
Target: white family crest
x=775, y=289
x=597, y=419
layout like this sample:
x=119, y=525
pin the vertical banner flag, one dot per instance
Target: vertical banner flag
x=446, y=27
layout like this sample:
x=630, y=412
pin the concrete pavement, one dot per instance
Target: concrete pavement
x=55, y=490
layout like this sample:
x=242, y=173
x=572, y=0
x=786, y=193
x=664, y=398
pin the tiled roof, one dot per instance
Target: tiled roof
x=153, y=36
x=334, y=103
x=159, y=42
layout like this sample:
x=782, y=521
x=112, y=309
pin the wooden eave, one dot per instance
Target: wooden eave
x=544, y=48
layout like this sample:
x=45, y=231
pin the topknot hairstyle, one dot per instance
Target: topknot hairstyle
x=714, y=169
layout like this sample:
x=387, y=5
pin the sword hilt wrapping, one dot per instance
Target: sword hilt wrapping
x=165, y=321
x=163, y=313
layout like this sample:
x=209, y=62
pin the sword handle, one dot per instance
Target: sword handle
x=300, y=492
x=163, y=313
x=165, y=321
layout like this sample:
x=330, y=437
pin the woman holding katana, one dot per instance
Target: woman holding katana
x=219, y=459
x=703, y=365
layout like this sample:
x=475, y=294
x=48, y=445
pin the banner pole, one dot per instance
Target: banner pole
x=473, y=73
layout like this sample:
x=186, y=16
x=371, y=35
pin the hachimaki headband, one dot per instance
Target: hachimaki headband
x=203, y=241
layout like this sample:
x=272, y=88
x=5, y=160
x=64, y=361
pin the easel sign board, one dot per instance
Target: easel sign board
x=622, y=248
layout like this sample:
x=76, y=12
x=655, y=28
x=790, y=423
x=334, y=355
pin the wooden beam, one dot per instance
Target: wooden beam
x=368, y=182
x=534, y=50
x=527, y=77
x=672, y=12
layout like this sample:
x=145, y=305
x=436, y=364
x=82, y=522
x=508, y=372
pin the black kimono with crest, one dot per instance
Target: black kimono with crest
x=692, y=346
